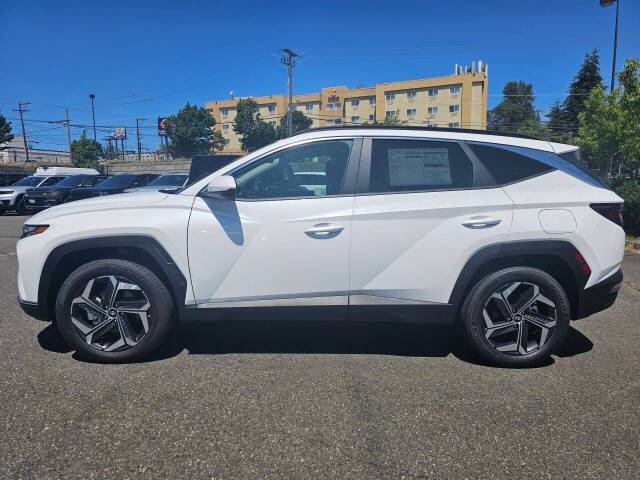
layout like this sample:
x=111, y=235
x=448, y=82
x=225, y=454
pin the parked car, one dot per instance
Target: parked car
x=203, y=165
x=169, y=183
x=115, y=184
x=506, y=236
x=43, y=197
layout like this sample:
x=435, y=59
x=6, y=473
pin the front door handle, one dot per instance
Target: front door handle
x=324, y=229
x=481, y=222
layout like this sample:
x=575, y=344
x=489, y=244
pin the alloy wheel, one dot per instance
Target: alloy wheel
x=111, y=313
x=519, y=319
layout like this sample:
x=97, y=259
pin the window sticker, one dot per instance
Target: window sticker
x=419, y=166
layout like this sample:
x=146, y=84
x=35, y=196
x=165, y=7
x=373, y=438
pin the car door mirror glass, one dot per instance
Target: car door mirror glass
x=220, y=187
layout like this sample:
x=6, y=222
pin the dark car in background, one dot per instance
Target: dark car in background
x=39, y=198
x=115, y=184
x=169, y=182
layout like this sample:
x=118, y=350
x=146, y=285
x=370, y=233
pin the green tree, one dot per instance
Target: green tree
x=534, y=128
x=5, y=133
x=587, y=78
x=84, y=151
x=515, y=110
x=299, y=121
x=191, y=132
x=563, y=117
x=254, y=131
x=609, y=132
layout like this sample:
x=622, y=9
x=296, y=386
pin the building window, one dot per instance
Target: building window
x=372, y=118
x=334, y=106
x=432, y=125
x=225, y=127
x=337, y=121
x=432, y=110
x=411, y=112
x=272, y=123
x=272, y=108
x=432, y=92
x=355, y=103
x=355, y=119
x=390, y=113
x=454, y=90
x=308, y=106
x=454, y=108
x=391, y=97
x=372, y=101
x=210, y=110
x=257, y=109
x=411, y=95
x=226, y=141
x=454, y=125
x=224, y=112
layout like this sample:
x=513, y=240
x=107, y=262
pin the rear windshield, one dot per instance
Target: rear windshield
x=573, y=157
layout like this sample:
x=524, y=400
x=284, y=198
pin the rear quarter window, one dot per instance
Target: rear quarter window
x=506, y=166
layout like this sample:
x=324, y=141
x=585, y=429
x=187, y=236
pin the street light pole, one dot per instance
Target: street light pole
x=95, y=140
x=608, y=3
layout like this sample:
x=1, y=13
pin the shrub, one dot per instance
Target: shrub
x=629, y=190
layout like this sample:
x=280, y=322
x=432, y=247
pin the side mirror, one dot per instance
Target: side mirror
x=223, y=187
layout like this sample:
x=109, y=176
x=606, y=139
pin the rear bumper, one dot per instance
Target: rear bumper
x=599, y=297
x=33, y=309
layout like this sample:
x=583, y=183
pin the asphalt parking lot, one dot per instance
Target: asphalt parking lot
x=320, y=400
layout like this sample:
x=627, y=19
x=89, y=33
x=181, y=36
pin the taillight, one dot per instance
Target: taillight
x=610, y=211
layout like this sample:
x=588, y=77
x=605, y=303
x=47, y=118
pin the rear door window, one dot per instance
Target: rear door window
x=418, y=165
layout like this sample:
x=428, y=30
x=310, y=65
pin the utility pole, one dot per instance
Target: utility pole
x=138, y=134
x=24, y=134
x=607, y=3
x=95, y=140
x=69, y=136
x=289, y=62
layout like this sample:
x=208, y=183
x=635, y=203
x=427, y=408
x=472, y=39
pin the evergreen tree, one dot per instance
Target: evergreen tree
x=515, y=110
x=5, y=133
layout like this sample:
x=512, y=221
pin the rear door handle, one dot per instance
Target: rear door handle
x=481, y=222
x=324, y=229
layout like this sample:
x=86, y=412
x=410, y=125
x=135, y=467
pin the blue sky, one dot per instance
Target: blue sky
x=148, y=59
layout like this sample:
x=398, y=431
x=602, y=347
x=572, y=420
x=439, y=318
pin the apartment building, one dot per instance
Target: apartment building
x=458, y=100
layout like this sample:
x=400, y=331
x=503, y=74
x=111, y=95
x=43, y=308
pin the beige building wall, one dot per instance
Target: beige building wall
x=458, y=100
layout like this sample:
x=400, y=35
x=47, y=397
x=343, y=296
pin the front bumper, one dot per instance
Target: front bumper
x=599, y=297
x=33, y=309
x=39, y=203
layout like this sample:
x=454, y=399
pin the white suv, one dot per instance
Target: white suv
x=507, y=236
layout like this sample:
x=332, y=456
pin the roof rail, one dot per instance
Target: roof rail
x=429, y=129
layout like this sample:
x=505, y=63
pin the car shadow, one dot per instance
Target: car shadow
x=319, y=337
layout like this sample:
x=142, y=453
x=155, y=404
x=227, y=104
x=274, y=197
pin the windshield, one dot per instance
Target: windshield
x=573, y=157
x=51, y=181
x=170, y=180
x=73, y=181
x=28, y=182
x=118, y=181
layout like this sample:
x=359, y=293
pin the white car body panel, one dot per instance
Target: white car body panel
x=161, y=216
x=258, y=250
x=600, y=241
x=412, y=246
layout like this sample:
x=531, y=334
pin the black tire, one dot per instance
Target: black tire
x=474, y=325
x=20, y=208
x=160, y=310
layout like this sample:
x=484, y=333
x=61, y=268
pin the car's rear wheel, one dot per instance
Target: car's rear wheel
x=516, y=317
x=113, y=310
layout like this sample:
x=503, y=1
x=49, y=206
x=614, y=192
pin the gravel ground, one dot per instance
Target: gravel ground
x=318, y=400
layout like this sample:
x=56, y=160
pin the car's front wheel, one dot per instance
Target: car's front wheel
x=516, y=317
x=113, y=310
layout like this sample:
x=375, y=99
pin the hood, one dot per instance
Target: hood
x=99, y=205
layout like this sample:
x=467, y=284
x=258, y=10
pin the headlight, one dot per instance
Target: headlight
x=31, y=230
x=6, y=192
